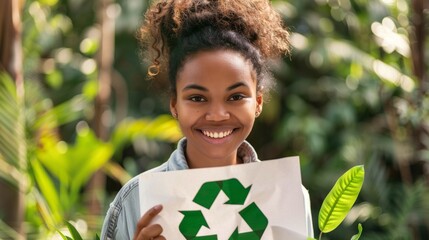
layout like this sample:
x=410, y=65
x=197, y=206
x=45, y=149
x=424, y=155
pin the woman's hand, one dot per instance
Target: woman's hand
x=147, y=231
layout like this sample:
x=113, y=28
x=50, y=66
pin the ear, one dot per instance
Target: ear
x=259, y=103
x=173, y=110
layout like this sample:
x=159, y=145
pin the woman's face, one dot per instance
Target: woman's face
x=216, y=102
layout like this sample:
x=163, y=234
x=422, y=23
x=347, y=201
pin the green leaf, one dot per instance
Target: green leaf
x=74, y=164
x=10, y=173
x=83, y=161
x=164, y=128
x=44, y=211
x=12, y=137
x=62, y=235
x=53, y=156
x=357, y=236
x=50, y=3
x=64, y=113
x=340, y=199
x=75, y=234
x=96, y=237
x=47, y=189
x=7, y=232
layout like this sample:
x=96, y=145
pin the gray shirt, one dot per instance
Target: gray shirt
x=124, y=211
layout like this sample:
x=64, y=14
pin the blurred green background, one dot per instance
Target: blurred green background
x=80, y=117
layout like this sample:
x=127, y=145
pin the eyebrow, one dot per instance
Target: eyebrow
x=195, y=86
x=236, y=85
x=201, y=88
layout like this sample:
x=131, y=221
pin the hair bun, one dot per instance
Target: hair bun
x=207, y=14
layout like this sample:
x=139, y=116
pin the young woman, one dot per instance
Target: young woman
x=215, y=53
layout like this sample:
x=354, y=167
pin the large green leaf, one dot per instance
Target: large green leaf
x=74, y=164
x=340, y=199
x=47, y=188
x=8, y=120
x=88, y=155
x=12, y=137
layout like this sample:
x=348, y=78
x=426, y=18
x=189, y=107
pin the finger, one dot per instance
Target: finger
x=150, y=232
x=159, y=238
x=147, y=218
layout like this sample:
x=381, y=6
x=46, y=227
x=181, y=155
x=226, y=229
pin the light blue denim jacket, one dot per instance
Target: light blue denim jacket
x=124, y=212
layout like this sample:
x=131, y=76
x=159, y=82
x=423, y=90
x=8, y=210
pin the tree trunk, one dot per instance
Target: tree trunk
x=12, y=200
x=101, y=127
x=418, y=41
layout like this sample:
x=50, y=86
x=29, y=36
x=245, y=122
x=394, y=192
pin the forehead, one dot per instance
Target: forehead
x=216, y=67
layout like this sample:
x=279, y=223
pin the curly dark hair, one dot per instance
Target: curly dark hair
x=175, y=29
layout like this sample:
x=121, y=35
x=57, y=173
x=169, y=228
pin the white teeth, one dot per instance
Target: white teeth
x=217, y=134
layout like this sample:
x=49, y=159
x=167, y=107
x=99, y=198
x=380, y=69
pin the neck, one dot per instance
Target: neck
x=204, y=162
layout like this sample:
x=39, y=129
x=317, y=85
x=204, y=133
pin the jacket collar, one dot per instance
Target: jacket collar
x=177, y=160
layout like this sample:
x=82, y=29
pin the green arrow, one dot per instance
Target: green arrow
x=256, y=220
x=207, y=194
x=232, y=188
x=235, y=191
x=191, y=225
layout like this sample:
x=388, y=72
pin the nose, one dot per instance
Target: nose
x=217, y=112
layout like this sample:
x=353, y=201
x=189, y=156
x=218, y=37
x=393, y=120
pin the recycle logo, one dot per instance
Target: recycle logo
x=237, y=194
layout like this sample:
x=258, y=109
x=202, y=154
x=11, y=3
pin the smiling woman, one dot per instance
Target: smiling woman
x=215, y=53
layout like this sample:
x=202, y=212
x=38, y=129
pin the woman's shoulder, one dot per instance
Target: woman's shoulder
x=132, y=185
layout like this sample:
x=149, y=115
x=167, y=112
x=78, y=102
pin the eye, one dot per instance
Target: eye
x=236, y=97
x=197, y=99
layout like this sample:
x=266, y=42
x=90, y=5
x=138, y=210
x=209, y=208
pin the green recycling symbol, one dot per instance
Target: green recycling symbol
x=237, y=194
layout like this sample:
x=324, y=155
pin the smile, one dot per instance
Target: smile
x=217, y=134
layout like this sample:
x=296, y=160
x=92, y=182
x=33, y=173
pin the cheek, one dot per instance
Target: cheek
x=188, y=115
x=246, y=113
x=189, y=110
